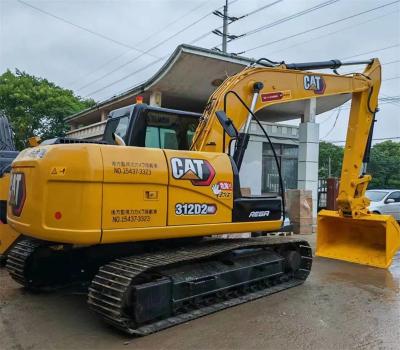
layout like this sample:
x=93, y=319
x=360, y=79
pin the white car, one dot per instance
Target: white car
x=385, y=202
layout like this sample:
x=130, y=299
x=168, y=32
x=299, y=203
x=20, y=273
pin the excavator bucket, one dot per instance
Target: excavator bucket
x=371, y=240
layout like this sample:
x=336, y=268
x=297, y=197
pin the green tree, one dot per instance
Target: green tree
x=36, y=106
x=335, y=154
x=384, y=165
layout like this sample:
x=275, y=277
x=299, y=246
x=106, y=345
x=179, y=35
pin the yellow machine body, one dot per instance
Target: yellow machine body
x=91, y=194
x=7, y=234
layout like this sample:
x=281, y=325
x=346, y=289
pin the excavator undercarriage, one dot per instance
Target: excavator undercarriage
x=152, y=290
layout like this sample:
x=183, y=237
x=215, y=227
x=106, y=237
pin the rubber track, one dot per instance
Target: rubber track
x=18, y=257
x=110, y=288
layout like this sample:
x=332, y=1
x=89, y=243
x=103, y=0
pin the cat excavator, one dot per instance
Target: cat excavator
x=135, y=215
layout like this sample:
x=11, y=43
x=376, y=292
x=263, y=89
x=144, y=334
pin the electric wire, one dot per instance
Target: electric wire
x=334, y=124
x=241, y=17
x=115, y=58
x=321, y=26
x=374, y=139
x=392, y=78
x=100, y=35
x=333, y=32
x=139, y=56
x=372, y=51
x=291, y=17
x=191, y=42
x=288, y=18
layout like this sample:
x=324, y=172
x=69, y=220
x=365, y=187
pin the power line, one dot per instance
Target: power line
x=156, y=61
x=105, y=37
x=226, y=37
x=376, y=139
x=383, y=100
x=334, y=124
x=372, y=51
x=260, y=8
x=392, y=78
x=382, y=64
x=293, y=16
x=127, y=76
x=139, y=56
x=244, y=16
x=333, y=32
x=322, y=26
x=391, y=62
x=139, y=43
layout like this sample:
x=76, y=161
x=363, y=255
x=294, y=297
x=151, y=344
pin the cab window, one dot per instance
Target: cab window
x=118, y=125
x=122, y=126
x=169, y=131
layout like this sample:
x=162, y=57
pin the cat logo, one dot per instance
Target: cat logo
x=17, y=193
x=198, y=171
x=315, y=83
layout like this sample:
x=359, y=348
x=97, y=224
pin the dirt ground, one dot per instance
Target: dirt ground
x=341, y=306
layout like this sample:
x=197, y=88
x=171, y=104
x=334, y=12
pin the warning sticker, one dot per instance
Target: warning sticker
x=58, y=171
x=276, y=95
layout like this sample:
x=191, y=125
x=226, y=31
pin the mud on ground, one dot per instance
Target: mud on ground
x=341, y=306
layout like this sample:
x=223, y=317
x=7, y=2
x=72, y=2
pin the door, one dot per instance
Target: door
x=200, y=188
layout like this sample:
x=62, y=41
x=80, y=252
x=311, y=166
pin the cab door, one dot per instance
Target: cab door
x=200, y=189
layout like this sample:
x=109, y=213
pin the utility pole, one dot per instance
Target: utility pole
x=225, y=28
x=226, y=20
x=329, y=167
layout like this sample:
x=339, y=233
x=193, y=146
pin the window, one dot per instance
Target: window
x=122, y=126
x=287, y=158
x=376, y=196
x=169, y=131
x=118, y=125
x=395, y=196
x=161, y=138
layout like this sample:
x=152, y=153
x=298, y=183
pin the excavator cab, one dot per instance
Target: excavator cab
x=142, y=125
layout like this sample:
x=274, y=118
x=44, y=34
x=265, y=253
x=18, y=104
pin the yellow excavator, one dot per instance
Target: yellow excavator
x=134, y=214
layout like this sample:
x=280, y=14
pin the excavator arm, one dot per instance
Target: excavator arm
x=351, y=233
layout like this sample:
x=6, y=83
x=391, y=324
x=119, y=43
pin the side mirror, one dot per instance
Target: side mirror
x=389, y=200
x=227, y=124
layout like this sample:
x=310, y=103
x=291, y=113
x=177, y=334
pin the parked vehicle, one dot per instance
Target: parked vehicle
x=385, y=202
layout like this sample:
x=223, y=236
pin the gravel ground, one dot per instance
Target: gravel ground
x=341, y=306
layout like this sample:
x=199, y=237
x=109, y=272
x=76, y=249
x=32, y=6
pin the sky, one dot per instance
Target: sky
x=90, y=46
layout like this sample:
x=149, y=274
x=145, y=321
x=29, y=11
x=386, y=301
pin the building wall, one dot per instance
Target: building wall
x=254, y=163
